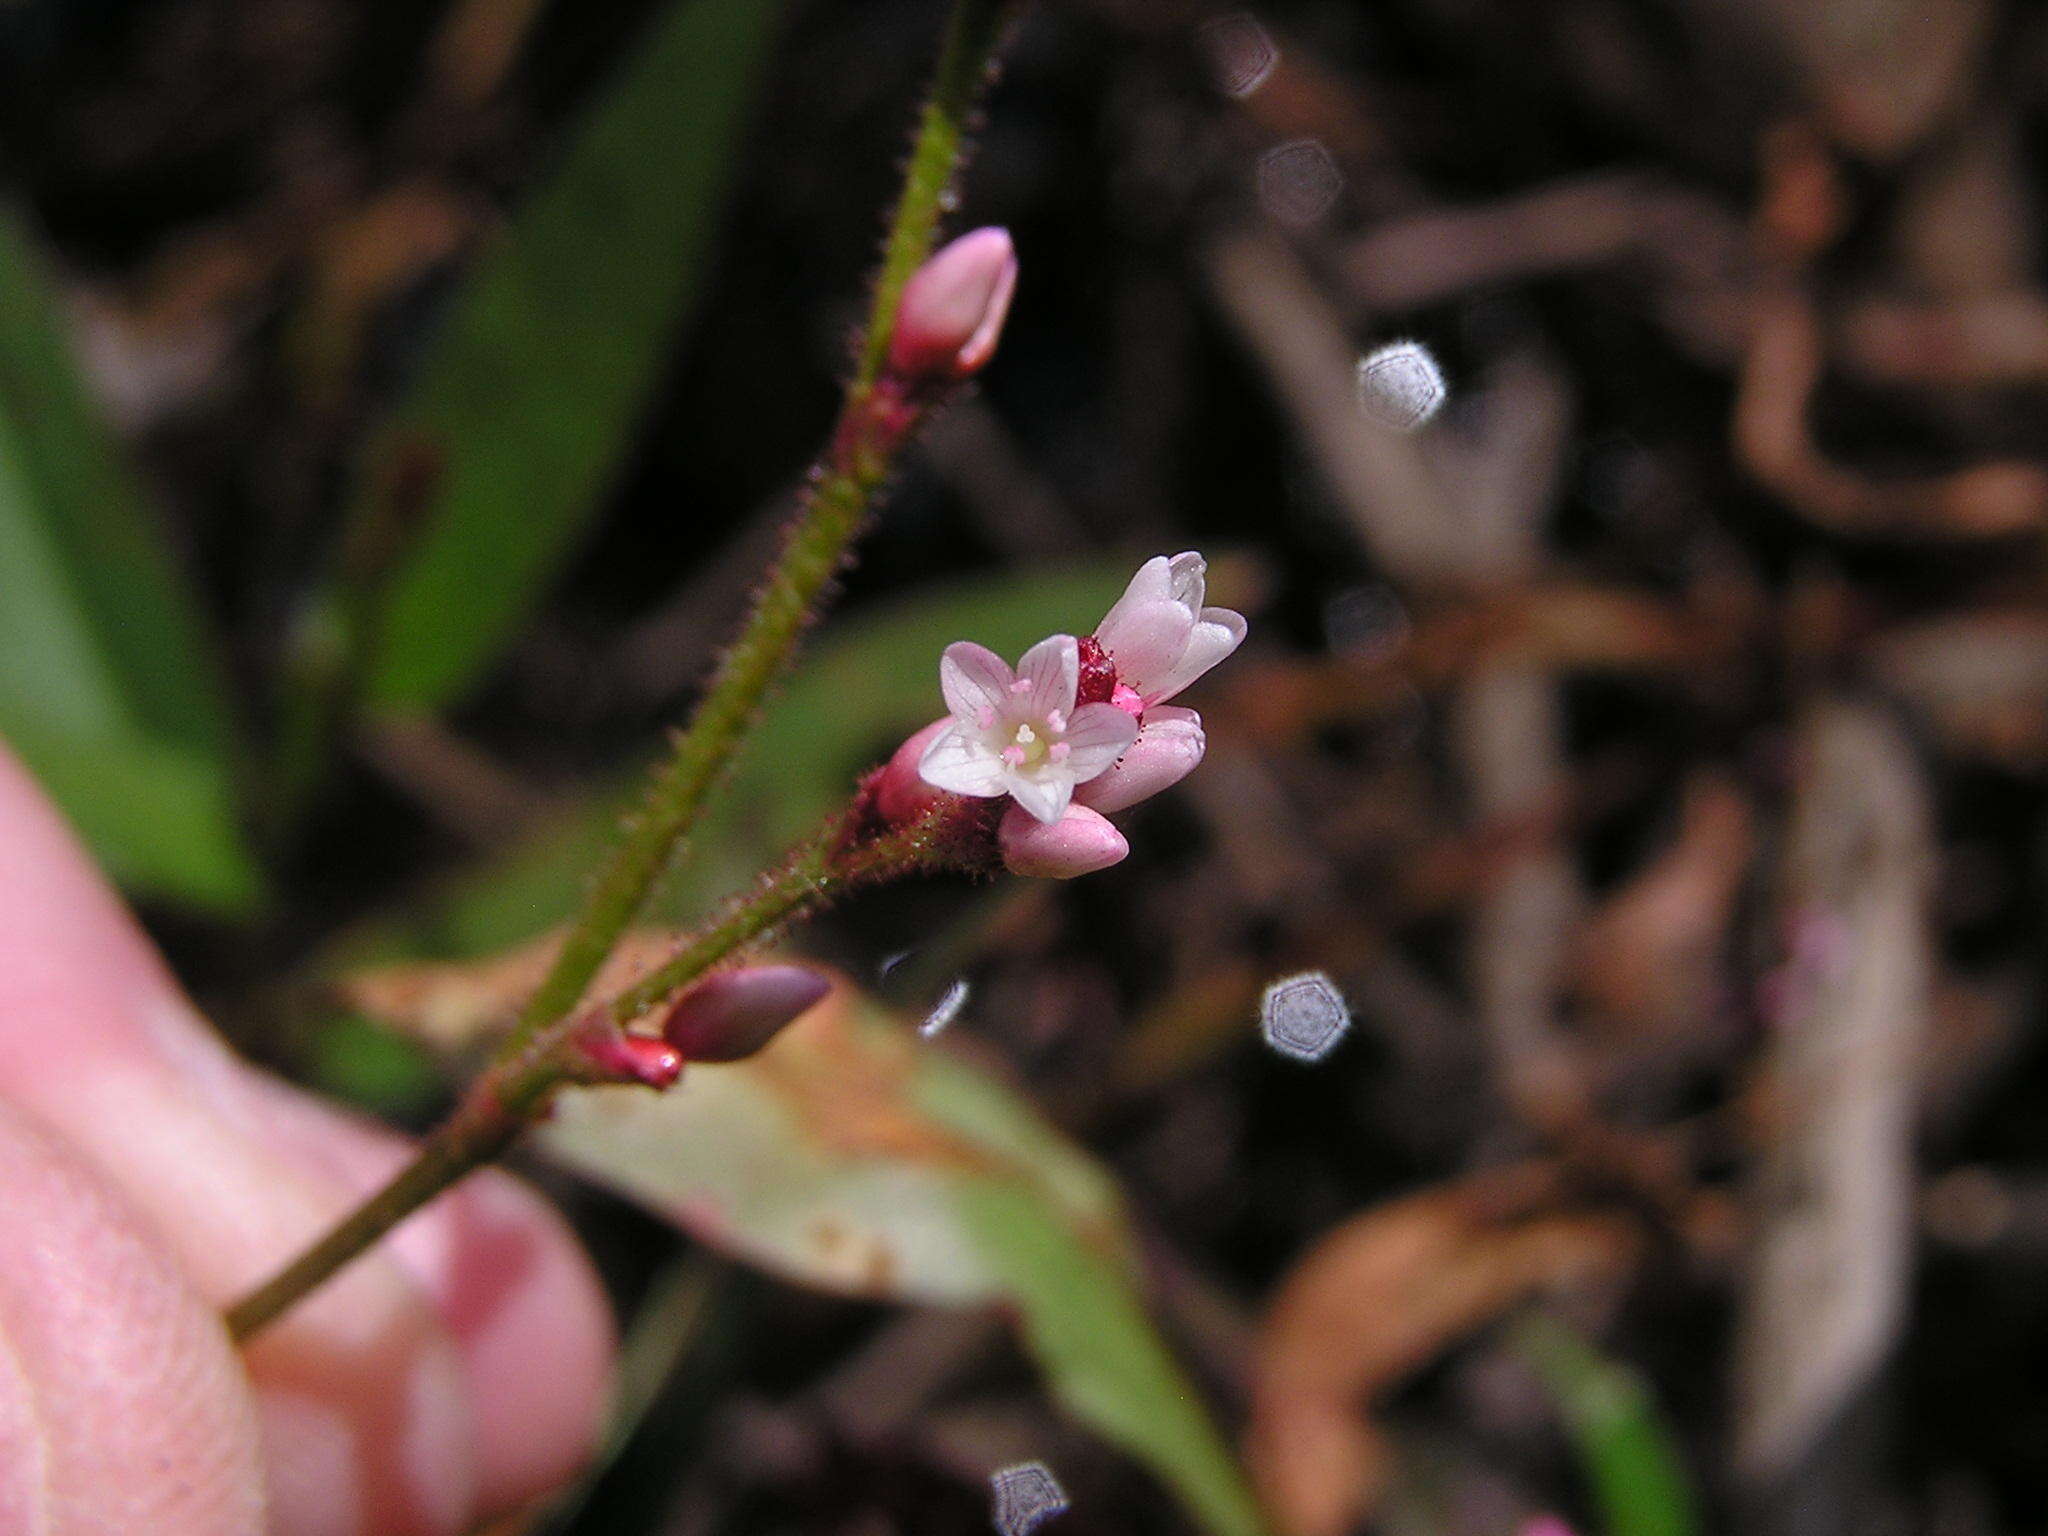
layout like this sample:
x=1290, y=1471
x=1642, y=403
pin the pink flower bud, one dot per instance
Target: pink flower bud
x=1169, y=746
x=1079, y=843
x=901, y=793
x=732, y=1014
x=953, y=307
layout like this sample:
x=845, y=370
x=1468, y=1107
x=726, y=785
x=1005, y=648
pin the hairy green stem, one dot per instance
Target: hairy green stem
x=843, y=488
x=538, y=1057
x=821, y=871
x=478, y=1132
x=502, y=1101
x=935, y=159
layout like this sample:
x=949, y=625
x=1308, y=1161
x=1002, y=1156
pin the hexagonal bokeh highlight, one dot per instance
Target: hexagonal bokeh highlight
x=1303, y=1017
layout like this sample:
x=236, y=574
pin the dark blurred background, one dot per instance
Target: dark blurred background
x=1651, y=748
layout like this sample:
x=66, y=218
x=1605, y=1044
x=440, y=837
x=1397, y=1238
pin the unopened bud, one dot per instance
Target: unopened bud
x=732, y=1014
x=1169, y=748
x=1079, y=843
x=901, y=793
x=952, y=310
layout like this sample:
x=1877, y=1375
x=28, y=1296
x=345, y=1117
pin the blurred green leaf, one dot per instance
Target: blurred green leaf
x=107, y=689
x=1078, y=1306
x=157, y=815
x=535, y=386
x=1637, y=1475
x=852, y=1157
x=867, y=683
x=385, y=1073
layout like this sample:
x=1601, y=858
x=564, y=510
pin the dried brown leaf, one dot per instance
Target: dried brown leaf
x=455, y=1006
x=1378, y=1298
x=1648, y=959
x=1990, y=500
x=1979, y=679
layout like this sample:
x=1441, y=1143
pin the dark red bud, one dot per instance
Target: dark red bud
x=732, y=1014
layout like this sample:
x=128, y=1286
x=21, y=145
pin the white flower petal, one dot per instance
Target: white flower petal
x=1219, y=632
x=1053, y=669
x=1152, y=584
x=1096, y=737
x=1171, y=722
x=1046, y=798
x=1148, y=643
x=960, y=761
x=1169, y=747
x=973, y=678
x=1152, y=580
x=1185, y=573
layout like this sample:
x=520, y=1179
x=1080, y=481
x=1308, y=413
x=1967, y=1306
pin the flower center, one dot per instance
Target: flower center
x=1033, y=746
x=1027, y=749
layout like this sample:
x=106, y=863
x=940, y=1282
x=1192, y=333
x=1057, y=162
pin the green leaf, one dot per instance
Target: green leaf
x=869, y=682
x=1637, y=1475
x=1078, y=1306
x=158, y=816
x=107, y=689
x=853, y=1157
x=535, y=386
x=375, y=1069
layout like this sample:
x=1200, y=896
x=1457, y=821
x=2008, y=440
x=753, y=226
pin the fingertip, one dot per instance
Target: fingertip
x=509, y=1284
x=111, y=1367
x=66, y=939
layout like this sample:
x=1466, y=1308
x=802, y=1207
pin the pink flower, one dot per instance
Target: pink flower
x=1159, y=637
x=953, y=307
x=727, y=1016
x=1152, y=644
x=1078, y=731
x=1021, y=733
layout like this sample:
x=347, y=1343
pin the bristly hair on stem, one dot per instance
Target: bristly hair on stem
x=875, y=422
x=848, y=852
x=841, y=493
x=937, y=155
